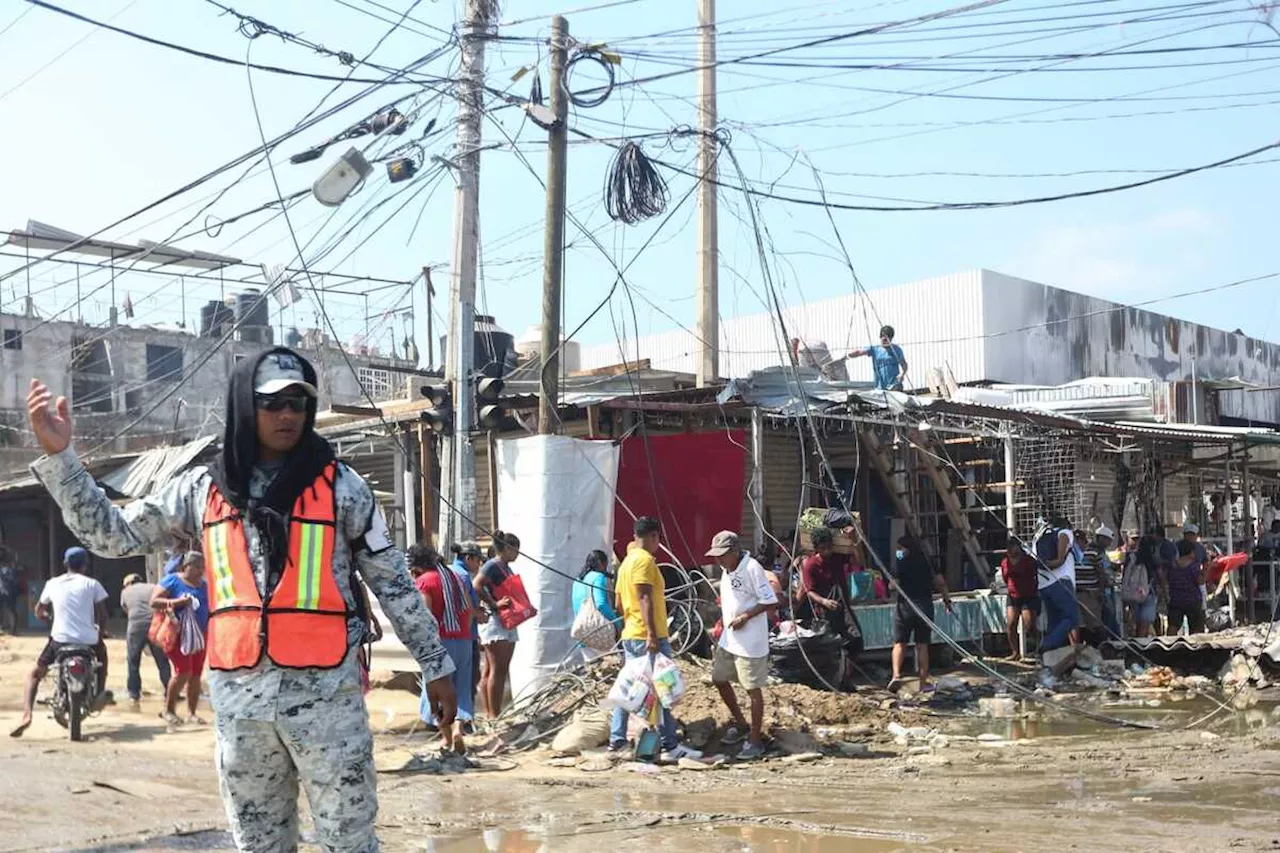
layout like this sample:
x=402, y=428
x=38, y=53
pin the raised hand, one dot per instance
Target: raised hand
x=50, y=419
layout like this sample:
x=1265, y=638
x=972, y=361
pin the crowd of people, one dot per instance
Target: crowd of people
x=1108, y=587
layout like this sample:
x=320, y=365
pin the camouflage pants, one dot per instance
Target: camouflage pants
x=323, y=744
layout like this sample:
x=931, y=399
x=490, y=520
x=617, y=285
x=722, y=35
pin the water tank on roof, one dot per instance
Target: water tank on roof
x=252, y=309
x=215, y=317
x=494, y=349
x=293, y=338
x=529, y=346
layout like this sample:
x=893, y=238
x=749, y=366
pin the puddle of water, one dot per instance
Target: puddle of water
x=1170, y=712
x=692, y=839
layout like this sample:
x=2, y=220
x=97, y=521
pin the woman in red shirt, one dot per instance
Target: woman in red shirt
x=450, y=602
x=1019, y=571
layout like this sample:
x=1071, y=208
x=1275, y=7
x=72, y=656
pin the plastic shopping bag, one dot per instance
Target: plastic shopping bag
x=192, y=640
x=668, y=683
x=633, y=691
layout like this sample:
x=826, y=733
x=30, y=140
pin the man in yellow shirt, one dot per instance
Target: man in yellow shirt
x=642, y=601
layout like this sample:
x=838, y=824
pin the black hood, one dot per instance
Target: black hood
x=240, y=445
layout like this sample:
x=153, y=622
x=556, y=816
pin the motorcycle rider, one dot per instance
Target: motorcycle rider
x=284, y=527
x=79, y=618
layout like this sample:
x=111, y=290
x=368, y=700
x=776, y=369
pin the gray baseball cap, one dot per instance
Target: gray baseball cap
x=724, y=542
x=278, y=371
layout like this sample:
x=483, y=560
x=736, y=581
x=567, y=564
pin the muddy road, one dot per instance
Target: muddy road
x=982, y=786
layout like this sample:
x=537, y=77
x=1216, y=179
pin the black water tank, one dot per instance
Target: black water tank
x=495, y=350
x=209, y=317
x=252, y=309
x=293, y=338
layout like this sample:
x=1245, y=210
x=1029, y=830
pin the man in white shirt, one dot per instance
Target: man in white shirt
x=742, y=655
x=78, y=605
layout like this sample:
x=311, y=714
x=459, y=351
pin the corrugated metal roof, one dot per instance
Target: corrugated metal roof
x=152, y=469
x=1252, y=640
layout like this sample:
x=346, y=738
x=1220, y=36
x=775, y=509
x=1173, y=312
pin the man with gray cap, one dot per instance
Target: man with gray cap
x=284, y=527
x=742, y=655
x=135, y=600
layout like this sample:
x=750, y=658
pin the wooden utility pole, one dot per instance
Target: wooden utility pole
x=707, y=364
x=458, y=465
x=553, y=248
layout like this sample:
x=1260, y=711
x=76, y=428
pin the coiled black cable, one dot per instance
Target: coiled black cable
x=633, y=189
x=602, y=93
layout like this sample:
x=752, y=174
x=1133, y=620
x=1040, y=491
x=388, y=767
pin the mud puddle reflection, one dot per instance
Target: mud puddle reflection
x=702, y=839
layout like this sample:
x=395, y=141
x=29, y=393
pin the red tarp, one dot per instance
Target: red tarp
x=699, y=480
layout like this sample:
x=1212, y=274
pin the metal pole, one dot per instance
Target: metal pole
x=1009, y=517
x=553, y=247
x=1195, y=415
x=458, y=462
x=409, y=478
x=707, y=365
x=757, y=476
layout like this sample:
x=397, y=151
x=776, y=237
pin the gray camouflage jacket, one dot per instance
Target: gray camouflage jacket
x=177, y=510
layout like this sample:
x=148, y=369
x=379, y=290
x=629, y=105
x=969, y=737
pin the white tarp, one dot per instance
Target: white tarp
x=556, y=494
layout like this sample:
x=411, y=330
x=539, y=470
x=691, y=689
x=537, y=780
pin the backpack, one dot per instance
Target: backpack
x=1135, y=585
x=1047, y=545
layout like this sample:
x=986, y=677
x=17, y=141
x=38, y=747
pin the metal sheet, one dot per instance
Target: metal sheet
x=152, y=469
x=924, y=313
x=973, y=618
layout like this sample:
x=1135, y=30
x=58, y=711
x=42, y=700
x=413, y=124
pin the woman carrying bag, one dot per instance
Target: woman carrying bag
x=183, y=596
x=595, y=623
x=502, y=592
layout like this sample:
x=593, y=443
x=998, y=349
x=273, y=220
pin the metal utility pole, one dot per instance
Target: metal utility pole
x=458, y=462
x=553, y=248
x=707, y=365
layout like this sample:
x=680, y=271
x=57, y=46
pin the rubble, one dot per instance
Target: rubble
x=1059, y=661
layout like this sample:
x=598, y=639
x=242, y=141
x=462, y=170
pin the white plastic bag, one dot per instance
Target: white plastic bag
x=192, y=637
x=592, y=629
x=668, y=682
x=633, y=691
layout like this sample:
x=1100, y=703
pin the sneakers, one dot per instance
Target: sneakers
x=751, y=751
x=671, y=756
x=618, y=750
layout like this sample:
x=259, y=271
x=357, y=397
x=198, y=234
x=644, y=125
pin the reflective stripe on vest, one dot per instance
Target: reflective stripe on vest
x=303, y=623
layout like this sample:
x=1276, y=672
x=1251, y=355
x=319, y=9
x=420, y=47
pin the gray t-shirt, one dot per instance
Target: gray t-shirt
x=136, y=603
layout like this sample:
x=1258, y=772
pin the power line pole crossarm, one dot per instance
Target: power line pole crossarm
x=553, y=258
x=458, y=462
x=707, y=365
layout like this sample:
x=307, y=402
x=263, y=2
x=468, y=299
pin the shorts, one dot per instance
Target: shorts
x=751, y=673
x=49, y=654
x=1146, y=611
x=908, y=624
x=492, y=632
x=1018, y=605
x=187, y=664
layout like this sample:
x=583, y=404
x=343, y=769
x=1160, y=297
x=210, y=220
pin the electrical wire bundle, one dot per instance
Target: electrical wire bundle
x=633, y=189
x=595, y=96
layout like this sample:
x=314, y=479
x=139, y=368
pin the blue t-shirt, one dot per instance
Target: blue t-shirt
x=887, y=362
x=175, y=587
x=596, y=585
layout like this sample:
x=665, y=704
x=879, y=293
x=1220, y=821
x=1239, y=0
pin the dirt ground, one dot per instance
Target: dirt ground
x=966, y=784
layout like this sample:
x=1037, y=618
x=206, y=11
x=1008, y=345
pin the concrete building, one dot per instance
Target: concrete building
x=171, y=383
x=986, y=327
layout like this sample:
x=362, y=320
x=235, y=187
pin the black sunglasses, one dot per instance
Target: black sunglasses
x=280, y=402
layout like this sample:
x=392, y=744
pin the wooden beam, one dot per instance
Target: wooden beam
x=425, y=457
x=614, y=369
x=361, y=411
x=593, y=421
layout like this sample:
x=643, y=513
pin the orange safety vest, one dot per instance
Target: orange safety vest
x=303, y=622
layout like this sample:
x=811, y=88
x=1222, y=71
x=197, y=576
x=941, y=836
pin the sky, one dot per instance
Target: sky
x=1018, y=99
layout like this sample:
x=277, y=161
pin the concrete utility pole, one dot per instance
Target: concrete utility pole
x=458, y=458
x=707, y=365
x=553, y=248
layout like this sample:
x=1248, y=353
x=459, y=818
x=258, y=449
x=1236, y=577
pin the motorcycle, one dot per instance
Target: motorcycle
x=76, y=687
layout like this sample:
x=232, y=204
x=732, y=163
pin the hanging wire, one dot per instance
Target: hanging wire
x=600, y=94
x=633, y=189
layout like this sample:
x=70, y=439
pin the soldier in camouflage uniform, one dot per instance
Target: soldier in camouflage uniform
x=277, y=726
